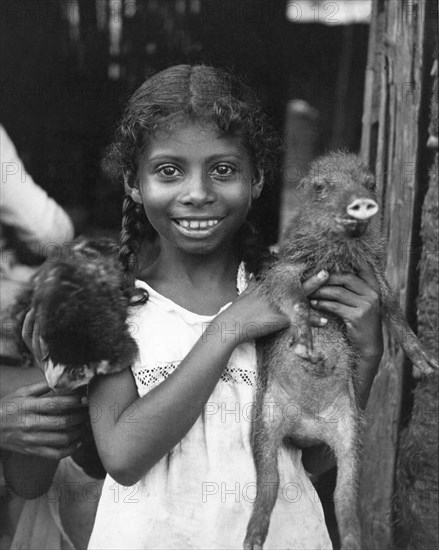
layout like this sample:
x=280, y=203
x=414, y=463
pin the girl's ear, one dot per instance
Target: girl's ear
x=132, y=189
x=257, y=185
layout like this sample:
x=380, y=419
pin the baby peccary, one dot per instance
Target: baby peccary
x=314, y=370
x=81, y=311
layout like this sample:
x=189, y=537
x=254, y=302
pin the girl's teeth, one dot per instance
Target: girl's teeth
x=194, y=224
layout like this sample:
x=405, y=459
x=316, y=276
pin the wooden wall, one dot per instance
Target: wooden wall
x=396, y=117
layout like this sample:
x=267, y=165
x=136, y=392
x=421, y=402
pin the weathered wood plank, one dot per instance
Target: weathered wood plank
x=397, y=51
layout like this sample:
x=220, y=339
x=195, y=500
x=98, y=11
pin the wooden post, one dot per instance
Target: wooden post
x=393, y=142
x=301, y=132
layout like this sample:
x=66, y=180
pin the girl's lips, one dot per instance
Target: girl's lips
x=197, y=228
x=197, y=223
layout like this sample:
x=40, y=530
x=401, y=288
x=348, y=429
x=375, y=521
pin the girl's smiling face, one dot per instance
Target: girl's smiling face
x=196, y=187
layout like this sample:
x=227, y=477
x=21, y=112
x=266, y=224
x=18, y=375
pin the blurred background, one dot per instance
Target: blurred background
x=68, y=67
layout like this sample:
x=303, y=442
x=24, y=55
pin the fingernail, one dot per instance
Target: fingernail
x=322, y=275
x=323, y=321
x=313, y=302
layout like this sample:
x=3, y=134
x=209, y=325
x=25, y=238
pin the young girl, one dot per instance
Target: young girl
x=174, y=431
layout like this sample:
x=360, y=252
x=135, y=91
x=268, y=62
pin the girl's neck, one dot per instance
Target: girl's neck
x=199, y=283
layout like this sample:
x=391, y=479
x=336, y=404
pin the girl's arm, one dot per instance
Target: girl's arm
x=132, y=433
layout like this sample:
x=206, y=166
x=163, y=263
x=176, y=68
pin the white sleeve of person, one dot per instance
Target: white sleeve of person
x=36, y=218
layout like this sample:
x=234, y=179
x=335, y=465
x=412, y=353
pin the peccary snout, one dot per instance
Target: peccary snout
x=362, y=209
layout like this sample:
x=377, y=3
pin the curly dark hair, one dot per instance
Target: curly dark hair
x=198, y=94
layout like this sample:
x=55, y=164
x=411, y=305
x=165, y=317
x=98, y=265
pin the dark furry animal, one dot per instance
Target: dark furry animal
x=81, y=312
x=333, y=229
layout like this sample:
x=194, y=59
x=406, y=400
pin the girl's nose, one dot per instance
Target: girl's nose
x=197, y=191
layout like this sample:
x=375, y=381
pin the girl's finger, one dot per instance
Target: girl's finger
x=33, y=390
x=36, y=343
x=43, y=349
x=58, y=440
x=350, y=282
x=28, y=329
x=367, y=273
x=355, y=284
x=59, y=404
x=314, y=282
x=342, y=310
x=337, y=294
x=53, y=453
x=57, y=424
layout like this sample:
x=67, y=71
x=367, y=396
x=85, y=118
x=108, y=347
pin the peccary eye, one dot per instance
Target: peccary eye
x=371, y=185
x=319, y=186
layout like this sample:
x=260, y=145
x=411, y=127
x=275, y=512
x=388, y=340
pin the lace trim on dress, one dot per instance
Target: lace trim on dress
x=150, y=376
x=147, y=377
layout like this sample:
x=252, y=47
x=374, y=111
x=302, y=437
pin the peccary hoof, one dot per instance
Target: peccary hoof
x=254, y=543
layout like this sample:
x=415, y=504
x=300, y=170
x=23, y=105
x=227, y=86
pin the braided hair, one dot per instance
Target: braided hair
x=178, y=95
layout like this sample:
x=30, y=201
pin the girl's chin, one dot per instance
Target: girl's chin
x=198, y=248
x=202, y=246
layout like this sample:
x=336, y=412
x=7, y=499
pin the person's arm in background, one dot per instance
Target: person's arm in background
x=37, y=219
x=37, y=429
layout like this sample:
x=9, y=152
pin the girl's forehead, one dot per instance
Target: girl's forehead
x=194, y=140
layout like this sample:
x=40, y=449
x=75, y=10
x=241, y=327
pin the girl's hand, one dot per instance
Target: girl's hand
x=35, y=422
x=356, y=299
x=33, y=340
x=252, y=316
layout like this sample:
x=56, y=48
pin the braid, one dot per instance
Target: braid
x=252, y=251
x=134, y=228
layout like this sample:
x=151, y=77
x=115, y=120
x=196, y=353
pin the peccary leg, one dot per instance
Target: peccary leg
x=283, y=286
x=345, y=446
x=422, y=360
x=265, y=449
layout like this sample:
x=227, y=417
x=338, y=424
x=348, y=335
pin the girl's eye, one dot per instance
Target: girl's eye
x=223, y=170
x=168, y=171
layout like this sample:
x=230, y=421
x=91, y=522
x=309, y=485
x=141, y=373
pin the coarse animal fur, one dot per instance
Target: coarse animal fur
x=81, y=312
x=314, y=369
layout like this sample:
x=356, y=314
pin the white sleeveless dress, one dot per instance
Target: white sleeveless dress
x=200, y=495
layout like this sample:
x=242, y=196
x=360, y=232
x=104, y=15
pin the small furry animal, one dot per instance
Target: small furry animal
x=81, y=311
x=314, y=369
